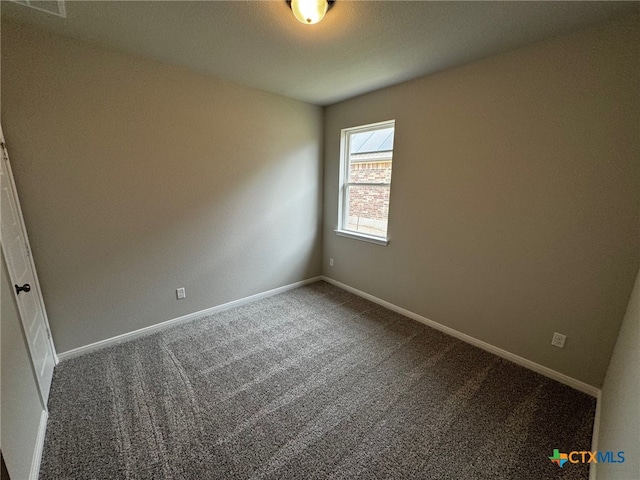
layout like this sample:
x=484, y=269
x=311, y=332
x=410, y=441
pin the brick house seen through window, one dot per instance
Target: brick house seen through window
x=366, y=180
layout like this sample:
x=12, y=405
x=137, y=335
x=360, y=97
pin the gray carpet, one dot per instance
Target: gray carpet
x=314, y=383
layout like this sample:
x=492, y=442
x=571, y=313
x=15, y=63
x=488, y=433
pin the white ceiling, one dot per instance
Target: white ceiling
x=360, y=46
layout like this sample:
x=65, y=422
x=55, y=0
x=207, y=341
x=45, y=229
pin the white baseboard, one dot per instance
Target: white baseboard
x=34, y=473
x=185, y=318
x=541, y=369
x=536, y=367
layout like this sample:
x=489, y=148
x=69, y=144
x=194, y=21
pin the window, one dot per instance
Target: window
x=365, y=181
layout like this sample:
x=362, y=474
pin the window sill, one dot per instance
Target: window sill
x=362, y=237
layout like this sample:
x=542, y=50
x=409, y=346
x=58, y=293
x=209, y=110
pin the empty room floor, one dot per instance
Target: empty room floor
x=313, y=383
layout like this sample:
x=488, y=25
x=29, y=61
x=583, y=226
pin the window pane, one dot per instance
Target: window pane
x=379, y=140
x=371, y=170
x=366, y=164
x=368, y=209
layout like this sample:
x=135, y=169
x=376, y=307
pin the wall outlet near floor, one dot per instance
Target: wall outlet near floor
x=180, y=293
x=558, y=340
x=331, y=262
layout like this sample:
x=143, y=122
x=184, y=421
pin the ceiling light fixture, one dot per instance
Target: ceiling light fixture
x=310, y=11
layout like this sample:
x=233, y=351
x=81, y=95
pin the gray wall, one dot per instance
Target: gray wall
x=514, y=199
x=620, y=411
x=20, y=405
x=137, y=178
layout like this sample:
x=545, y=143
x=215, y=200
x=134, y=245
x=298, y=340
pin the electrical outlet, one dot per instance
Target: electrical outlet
x=180, y=293
x=331, y=262
x=558, y=340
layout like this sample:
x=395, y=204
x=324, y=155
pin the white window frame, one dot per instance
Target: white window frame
x=343, y=204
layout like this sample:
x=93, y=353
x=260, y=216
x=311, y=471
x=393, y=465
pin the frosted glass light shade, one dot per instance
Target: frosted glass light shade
x=309, y=11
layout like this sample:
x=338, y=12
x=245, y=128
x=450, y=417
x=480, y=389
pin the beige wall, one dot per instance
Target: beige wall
x=620, y=407
x=20, y=406
x=137, y=178
x=514, y=200
x=513, y=214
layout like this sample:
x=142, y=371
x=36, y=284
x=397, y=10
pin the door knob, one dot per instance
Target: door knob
x=25, y=288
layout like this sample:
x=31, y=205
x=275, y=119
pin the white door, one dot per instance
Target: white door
x=26, y=289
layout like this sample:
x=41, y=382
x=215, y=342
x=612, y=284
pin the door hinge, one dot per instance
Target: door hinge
x=48, y=333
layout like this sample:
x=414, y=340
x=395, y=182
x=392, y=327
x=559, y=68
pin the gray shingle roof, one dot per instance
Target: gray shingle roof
x=369, y=142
